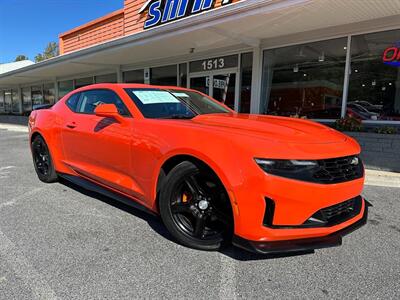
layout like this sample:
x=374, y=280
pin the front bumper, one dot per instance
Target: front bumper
x=296, y=245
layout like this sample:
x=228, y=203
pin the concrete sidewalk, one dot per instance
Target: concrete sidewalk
x=14, y=123
x=382, y=178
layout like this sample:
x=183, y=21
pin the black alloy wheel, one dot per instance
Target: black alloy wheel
x=42, y=160
x=196, y=208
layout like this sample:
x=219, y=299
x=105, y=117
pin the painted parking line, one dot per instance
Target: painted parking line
x=15, y=200
x=227, y=284
x=5, y=171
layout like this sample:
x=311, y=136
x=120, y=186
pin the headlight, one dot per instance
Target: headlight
x=295, y=169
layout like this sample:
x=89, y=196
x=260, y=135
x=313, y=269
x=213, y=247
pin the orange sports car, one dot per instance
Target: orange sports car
x=267, y=184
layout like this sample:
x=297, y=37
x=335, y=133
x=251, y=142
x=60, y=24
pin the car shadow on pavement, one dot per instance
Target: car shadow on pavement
x=156, y=224
x=153, y=220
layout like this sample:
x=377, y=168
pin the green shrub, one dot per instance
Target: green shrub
x=348, y=124
x=386, y=130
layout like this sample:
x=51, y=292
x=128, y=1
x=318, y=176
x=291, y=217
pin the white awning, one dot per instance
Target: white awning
x=248, y=23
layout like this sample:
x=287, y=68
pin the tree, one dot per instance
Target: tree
x=21, y=57
x=50, y=51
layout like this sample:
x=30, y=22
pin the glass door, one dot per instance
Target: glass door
x=224, y=89
x=222, y=86
x=200, y=84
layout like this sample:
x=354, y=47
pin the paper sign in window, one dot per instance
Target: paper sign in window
x=155, y=97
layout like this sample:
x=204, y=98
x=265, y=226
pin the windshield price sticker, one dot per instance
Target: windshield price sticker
x=155, y=97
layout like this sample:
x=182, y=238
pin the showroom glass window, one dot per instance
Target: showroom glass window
x=106, y=78
x=15, y=101
x=374, y=87
x=166, y=75
x=49, y=93
x=81, y=82
x=7, y=101
x=64, y=87
x=1, y=101
x=37, y=95
x=26, y=99
x=183, y=75
x=245, y=82
x=134, y=76
x=305, y=80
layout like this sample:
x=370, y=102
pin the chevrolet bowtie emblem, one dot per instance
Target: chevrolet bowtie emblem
x=354, y=161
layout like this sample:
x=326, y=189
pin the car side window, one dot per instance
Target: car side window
x=89, y=100
x=72, y=101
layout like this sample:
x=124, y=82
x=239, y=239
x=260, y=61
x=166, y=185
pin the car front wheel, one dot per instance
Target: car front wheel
x=195, y=207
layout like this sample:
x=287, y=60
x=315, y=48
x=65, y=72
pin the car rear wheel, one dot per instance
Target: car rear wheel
x=42, y=160
x=195, y=207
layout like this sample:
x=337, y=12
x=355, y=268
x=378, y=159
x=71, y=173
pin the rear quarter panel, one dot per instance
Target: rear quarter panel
x=47, y=122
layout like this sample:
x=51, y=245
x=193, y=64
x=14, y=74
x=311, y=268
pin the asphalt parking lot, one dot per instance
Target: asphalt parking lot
x=58, y=241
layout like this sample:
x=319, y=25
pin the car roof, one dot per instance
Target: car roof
x=127, y=86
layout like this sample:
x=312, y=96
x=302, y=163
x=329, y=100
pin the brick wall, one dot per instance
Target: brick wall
x=123, y=22
x=133, y=21
x=101, y=30
x=379, y=151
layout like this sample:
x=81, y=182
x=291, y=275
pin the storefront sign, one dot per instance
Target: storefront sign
x=391, y=56
x=212, y=64
x=163, y=11
x=218, y=83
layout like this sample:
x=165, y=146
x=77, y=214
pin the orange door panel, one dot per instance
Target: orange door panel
x=100, y=148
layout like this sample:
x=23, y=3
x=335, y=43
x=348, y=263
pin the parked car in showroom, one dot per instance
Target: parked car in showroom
x=265, y=183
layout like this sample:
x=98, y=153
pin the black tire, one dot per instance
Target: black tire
x=200, y=217
x=42, y=160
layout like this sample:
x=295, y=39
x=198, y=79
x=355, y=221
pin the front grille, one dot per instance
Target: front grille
x=337, y=170
x=325, y=217
x=337, y=213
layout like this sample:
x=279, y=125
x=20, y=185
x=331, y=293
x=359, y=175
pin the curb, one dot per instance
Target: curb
x=14, y=127
x=382, y=178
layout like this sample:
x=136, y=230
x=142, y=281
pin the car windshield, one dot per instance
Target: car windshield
x=173, y=104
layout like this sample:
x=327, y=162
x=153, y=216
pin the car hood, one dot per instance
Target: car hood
x=279, y=129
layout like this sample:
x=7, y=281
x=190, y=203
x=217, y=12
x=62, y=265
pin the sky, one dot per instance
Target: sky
x=26, y=26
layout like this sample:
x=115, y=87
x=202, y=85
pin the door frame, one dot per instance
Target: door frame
x=213, y=73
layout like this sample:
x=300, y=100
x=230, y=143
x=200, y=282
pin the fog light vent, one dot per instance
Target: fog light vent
x=269, y=212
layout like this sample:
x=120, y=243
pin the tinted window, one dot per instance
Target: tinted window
x=305, y=80
x=166, y=75
x=173, y=104
x=374, y=85
x=136, y=76
x=89, y=100
x=72, y=101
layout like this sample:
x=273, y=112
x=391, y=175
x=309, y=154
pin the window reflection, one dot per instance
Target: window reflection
x=81, y=82
x=305, y=80
x=107, y=78
x=26, y=99
x=64, y=87
x=135, y=76
x=164, y=75
x=374, y=88
x=49, y=93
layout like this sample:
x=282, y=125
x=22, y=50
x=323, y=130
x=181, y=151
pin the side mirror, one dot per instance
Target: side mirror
x=108, y=111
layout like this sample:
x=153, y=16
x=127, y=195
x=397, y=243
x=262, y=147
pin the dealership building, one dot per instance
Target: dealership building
x=319, y=59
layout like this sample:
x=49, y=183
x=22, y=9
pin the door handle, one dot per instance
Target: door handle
x=71, y=125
